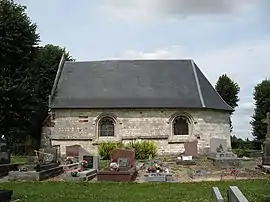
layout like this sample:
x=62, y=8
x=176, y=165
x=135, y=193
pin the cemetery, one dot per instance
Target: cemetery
x=218, y=171
x=224, y=175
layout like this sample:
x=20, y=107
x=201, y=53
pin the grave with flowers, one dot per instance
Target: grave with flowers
x=121, y=168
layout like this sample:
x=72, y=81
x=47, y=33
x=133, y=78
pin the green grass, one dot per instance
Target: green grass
x=18, y=159
x=255, y=191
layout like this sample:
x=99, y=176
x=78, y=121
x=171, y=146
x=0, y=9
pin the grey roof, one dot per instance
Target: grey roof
x=134, y=84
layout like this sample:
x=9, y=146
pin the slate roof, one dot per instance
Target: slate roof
x=134, y=84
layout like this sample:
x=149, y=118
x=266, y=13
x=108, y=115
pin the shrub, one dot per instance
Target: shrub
x=144, y=149
x=242, y=152
x=105, y=149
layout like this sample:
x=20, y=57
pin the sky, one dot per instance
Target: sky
x=221, y=36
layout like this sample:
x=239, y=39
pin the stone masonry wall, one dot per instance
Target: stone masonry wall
x=80, y=127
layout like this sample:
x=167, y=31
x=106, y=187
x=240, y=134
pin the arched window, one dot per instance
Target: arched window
x=106, y=127
x=180, y=126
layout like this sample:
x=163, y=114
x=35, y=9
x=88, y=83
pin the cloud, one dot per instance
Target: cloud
x=246, y=63
x=171, y=9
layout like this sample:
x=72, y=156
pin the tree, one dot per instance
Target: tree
x=228, y=90
x=18, y=38
x=44, y=67
x=261, y=95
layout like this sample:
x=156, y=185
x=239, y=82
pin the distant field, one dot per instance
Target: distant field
x=255, y=191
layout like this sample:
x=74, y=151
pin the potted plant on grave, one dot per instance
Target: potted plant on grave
x=84, y=164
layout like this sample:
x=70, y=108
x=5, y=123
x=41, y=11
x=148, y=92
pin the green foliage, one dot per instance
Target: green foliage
x=239, y=143
x=105, y=149
x=228, y=90
x=261, y=95
x=44, y=66
x=18, y=37
x=254, y=190
x=144, y=149
x=242, y=152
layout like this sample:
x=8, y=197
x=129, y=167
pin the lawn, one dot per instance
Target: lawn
x=255, y=191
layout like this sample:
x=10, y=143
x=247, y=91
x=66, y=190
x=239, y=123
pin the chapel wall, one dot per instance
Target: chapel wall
x=80, y=126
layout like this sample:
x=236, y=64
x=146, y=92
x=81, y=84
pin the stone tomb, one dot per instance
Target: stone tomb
x=43, y=166
x=220, y=155
x=127, y=170
x=88, y=173
x=5, y=165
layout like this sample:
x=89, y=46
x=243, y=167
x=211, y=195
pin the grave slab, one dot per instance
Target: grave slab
x=235, y=195
x=216, y=195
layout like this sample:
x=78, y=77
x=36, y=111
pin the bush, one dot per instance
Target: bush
x=105, y=149
x=144, y=149
x=242, y=152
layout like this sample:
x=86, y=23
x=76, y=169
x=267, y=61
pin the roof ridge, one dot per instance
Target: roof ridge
x=198, y=84
x=127, y=60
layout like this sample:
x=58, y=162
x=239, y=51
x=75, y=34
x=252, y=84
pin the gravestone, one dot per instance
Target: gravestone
x=220, y=155
x=77, y=152
x=266, y=143
x=124, y=154
x=216, y=195
x=127, y=168
x=92, y=162
x=191, y=149
x=4, y=155
x=218, y=144
x=235, y=195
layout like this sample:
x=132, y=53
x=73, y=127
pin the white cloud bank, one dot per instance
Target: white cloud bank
x=133, y=10
x=247, y=64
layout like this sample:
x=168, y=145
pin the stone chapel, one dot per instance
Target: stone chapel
x=169, y=102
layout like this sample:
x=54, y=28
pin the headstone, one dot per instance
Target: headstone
x=73, y=150
x=218, y=145
x=77, y=152
x=92, y=161
x=235, y=195
x=266, y=143
x=52, y=154
x=4, y=155
x=191, y=149
x=124, y=154
x=216, y=195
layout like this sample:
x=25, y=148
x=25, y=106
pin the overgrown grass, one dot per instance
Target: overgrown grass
x=255, y=190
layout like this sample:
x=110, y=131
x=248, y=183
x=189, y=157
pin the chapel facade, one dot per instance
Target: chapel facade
x=169, y=102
